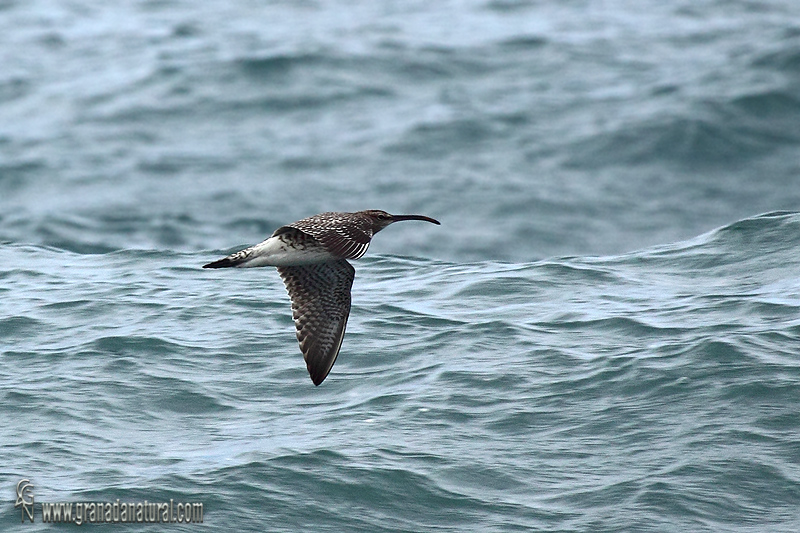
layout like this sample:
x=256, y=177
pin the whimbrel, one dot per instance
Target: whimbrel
x=311, y=256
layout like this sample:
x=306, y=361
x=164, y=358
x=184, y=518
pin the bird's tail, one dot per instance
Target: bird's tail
x=221, y=263
x=232, y=260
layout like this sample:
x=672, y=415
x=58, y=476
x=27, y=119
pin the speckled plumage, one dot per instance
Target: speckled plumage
x=311, y=256
x=320, y=295
x=346, y=235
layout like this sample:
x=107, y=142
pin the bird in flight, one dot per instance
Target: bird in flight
x=311, y=256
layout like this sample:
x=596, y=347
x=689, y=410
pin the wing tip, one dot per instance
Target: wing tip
x=319, y=370
x=318, y=373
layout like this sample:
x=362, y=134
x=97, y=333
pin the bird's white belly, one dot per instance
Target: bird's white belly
x=277, y=252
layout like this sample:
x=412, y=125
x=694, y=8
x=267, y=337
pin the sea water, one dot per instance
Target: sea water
x=602, y=335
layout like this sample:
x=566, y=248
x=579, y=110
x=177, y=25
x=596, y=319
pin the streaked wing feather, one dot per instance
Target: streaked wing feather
x=342, y=234
x=320, y=296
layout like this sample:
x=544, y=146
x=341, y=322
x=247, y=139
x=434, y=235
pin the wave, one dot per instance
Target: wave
x=710, y=134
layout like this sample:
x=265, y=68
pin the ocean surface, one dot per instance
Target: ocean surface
x=602, y=336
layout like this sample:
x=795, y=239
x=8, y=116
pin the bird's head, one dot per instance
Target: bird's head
x=381, y=219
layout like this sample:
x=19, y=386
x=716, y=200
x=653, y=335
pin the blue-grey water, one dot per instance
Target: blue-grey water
x=602, y=335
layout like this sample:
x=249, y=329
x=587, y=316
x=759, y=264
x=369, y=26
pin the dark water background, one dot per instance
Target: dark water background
x=603, y=335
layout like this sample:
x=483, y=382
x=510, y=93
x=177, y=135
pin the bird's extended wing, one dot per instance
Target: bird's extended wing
x=320, y=296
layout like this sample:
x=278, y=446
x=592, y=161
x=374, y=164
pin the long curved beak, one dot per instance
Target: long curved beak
x=399, y=218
